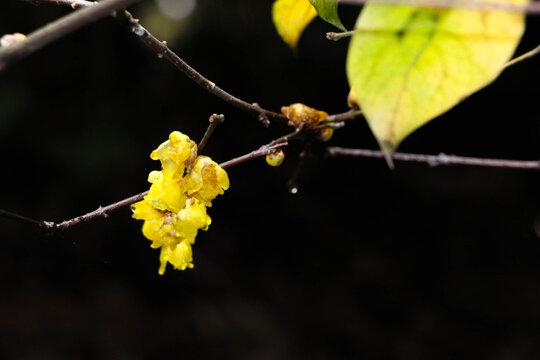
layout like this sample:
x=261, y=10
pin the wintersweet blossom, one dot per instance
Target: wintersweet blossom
x=174, y=210
x=206, y=180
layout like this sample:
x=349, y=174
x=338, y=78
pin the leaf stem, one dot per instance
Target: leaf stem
x=335, y=36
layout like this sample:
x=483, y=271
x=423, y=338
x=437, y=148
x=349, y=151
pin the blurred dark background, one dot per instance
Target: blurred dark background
x=363, y=262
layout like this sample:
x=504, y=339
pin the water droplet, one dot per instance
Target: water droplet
x=293, y=190
x=138, y=30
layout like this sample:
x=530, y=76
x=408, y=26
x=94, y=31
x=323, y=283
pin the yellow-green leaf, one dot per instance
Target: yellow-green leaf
x=408, y=65
x=291, y=18
x=328, y=11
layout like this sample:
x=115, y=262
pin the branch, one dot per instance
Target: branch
x=57, y=29
x=50, y=226
x=532, y=7
x=437, y=160
x=214, y=121
x=163, y=51
x=75, y=4
x=262, y=151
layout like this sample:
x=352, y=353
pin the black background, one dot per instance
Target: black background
x=363, y=262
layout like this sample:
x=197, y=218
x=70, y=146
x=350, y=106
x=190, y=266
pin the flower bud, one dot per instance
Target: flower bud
x=275, y=158
x=326, y=134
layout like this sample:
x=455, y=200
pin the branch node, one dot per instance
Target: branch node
x=48, y=225
x=261, y=116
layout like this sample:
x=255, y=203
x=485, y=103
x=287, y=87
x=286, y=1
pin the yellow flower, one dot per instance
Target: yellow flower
x=158, y=225
x=190, y=219
x=165, y=193
x=180, y=257
x=173, y=233
x=206, y=180
x=174, y=153
x=175, y=207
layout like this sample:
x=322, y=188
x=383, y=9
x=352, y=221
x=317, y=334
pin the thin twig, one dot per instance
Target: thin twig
x=214, y=120
x=99, y=212
x=163, y=51
x=20, y=218
x=348, y=115
x=50, y=226
x=529, y=54
x=59, y=28
x=532, y=7
x=438, y=160
x=262, y=151
x=75, y=4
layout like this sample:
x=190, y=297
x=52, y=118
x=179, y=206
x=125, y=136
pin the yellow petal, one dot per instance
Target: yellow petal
x=181, y=257
x=206, y=180
x=291, y=18
x=143, y=210
x=190, y=219
x=174, y=153
x=166, y=194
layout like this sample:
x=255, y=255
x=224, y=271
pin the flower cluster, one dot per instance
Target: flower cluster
x=175, y=207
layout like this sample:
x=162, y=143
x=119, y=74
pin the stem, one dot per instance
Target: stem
x=348, y=115
x=101, y=211
x=335, y=36
x=214, y=120
x=163, y=51
x=262, y=151
x=75, y=4
x=50, y=226
x=57, y=29
x=529, y=54
x=438, y=160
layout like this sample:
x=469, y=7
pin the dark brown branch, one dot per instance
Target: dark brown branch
x=75, y=4
x=214, y=120
x=20, y=218
x=163, y=51
x=59, y=28
x=99, y=212
x=50, y=226
x=438, y=160
x=262, y=151
x=532, y=8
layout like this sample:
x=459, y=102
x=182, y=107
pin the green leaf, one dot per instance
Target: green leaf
x=291, y=18
x=328, y=11
x=408, y=65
